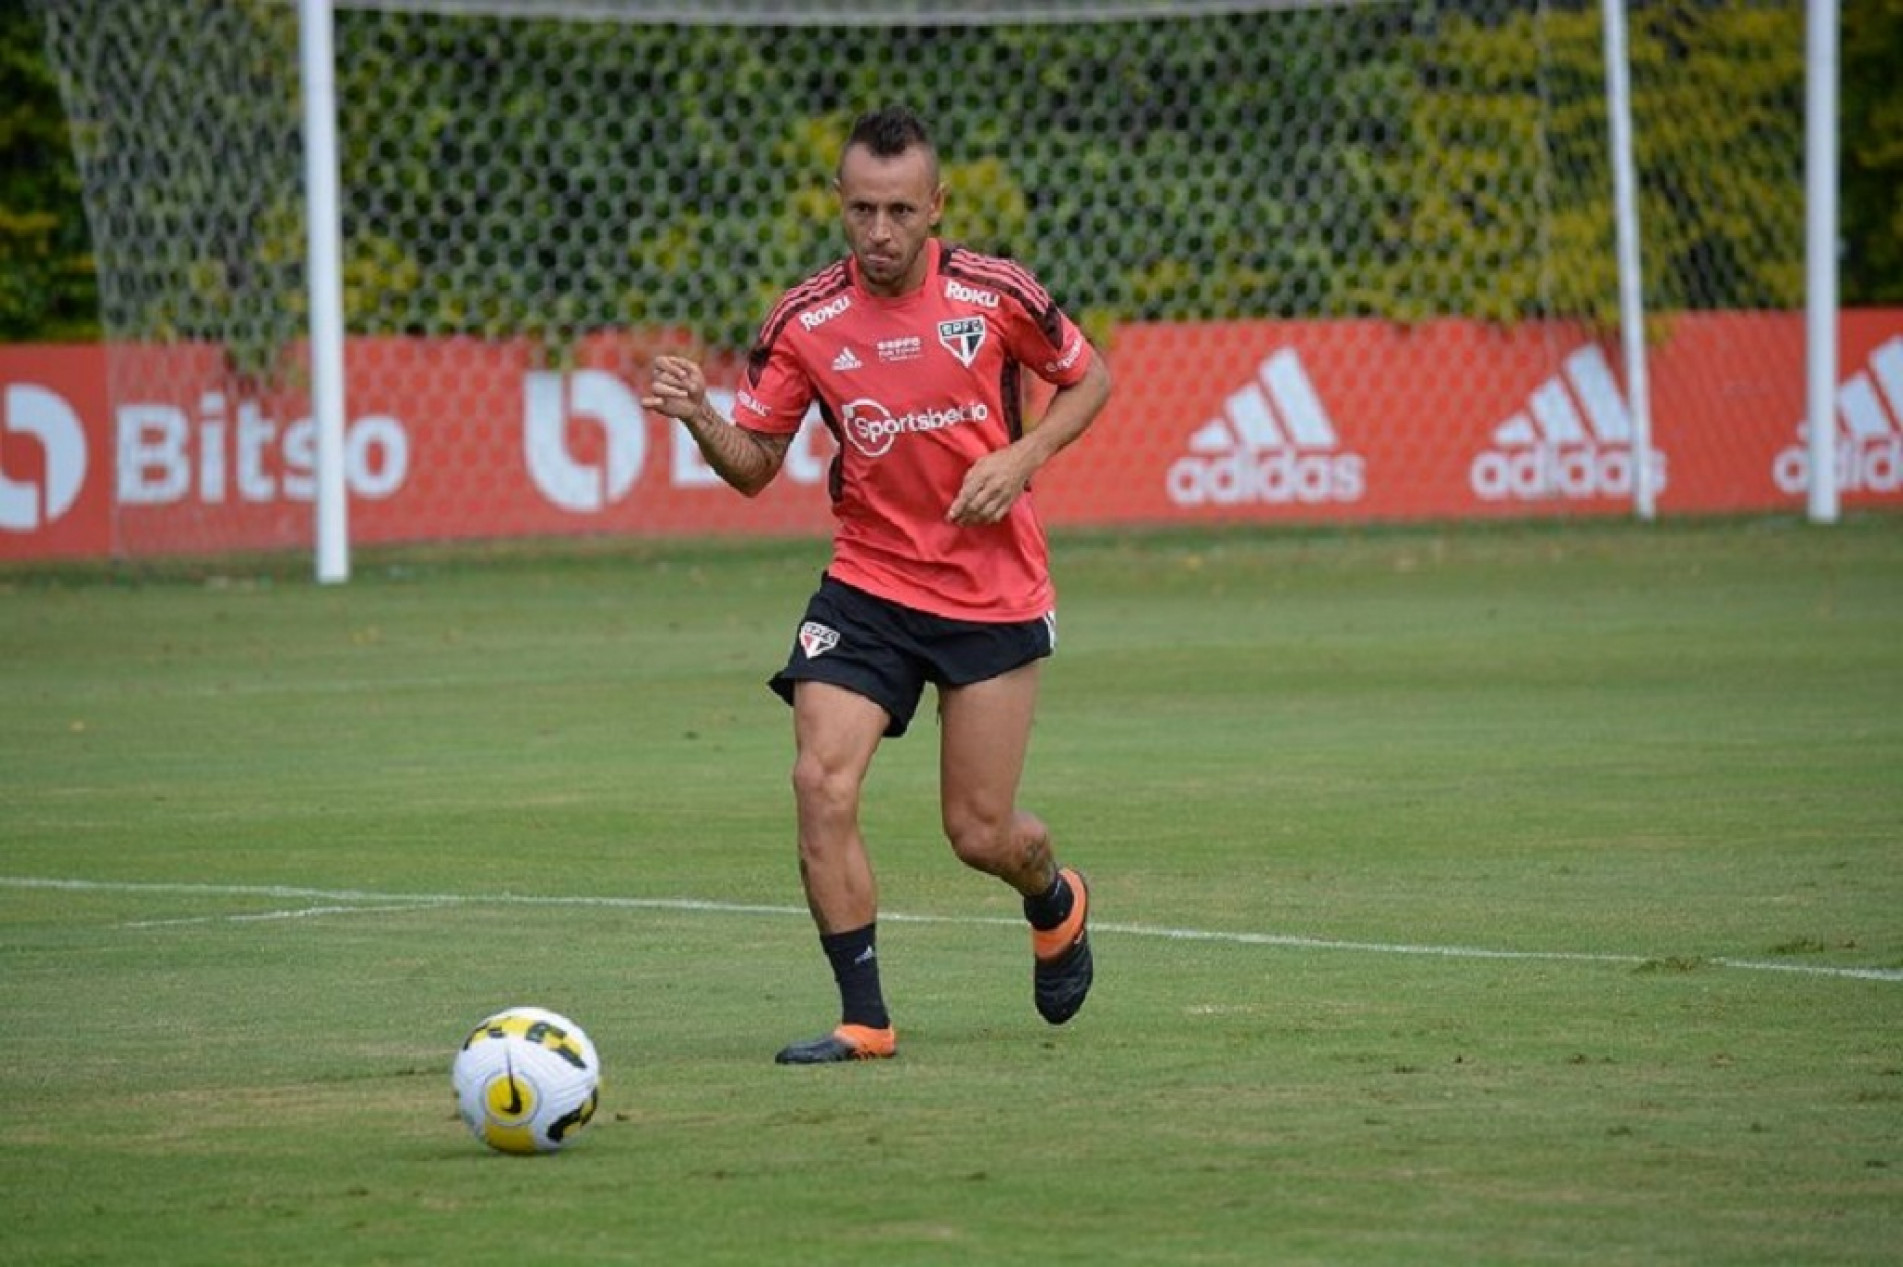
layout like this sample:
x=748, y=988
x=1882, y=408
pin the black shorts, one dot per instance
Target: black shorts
x=888, y=652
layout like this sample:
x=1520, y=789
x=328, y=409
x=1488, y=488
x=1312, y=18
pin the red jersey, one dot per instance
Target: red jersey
x=915, y=389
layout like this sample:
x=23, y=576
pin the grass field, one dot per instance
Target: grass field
x=1505, y=895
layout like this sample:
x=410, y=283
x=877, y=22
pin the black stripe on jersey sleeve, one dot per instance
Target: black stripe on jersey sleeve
x=1011, y=392
x=1008, y=278
x=815, y=290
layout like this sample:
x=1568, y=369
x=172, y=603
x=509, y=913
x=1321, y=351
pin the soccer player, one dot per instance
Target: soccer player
x=915, y=351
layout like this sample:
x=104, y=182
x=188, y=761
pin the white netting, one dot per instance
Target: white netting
x=535, y=195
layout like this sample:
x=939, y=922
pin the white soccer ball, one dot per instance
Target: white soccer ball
x=527, y=1080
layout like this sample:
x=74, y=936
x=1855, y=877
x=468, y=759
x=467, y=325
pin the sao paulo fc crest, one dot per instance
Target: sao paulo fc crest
x=963, y=337
x=817, y=639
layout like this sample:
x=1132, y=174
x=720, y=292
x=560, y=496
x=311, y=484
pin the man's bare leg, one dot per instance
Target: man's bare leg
x=987, y=733
x=836, y=732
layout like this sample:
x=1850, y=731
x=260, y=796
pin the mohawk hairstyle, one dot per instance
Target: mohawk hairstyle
x=889, y=132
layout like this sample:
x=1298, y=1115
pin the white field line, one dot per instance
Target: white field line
x=362, y=901
x=304, y=912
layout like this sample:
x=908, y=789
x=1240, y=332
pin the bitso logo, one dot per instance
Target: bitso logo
x=168, y=455
x=43, y=415
x=1273, y=444
x=1870, y=434
x=552, y=402
x=1550, y=451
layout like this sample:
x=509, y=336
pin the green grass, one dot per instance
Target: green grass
x=1546, y=886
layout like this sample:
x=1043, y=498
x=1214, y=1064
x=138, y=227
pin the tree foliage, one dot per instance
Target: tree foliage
x=47, y=288
x=1871, y=179
x=555, y=176
x=1495, y=109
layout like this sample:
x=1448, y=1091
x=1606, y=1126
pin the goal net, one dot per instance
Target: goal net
x=1347, y=260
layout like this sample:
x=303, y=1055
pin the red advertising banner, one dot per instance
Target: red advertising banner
x=1349, y=420
x=55, y=453
x=130, y=451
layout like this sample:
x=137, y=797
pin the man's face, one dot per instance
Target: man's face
x=889, y=207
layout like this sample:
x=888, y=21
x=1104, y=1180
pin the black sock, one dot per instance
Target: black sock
x=1052, y=907
x=854, y=956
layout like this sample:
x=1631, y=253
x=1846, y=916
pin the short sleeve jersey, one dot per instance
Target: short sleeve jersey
x=915, y=389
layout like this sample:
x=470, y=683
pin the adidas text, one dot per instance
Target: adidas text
x=1870, y=466
x=1275, y=476
x=1547, y=471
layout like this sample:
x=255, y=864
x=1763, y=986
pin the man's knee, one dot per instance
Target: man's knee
x=999, y=844
x=824, y=791
x=978, y=842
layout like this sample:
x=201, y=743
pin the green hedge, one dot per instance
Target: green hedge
x=554, y=177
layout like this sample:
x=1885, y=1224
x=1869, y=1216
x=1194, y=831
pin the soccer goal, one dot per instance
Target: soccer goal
x=1350, y=260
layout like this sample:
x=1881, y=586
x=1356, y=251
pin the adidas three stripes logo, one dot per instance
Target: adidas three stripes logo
x=1572, y=441
x=1869, y=431
x=1274, y=443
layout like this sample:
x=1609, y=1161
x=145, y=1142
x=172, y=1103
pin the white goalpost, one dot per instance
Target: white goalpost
x=1820, y=254
x=1631, y=285
x=325, y=234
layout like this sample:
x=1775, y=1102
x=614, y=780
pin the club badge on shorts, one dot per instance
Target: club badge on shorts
x=817, y=639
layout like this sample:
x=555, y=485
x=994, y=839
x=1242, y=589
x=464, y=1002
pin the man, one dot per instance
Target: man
x=915, y=351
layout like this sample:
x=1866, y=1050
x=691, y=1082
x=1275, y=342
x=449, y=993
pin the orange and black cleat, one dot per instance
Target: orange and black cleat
x=847, y=1042
x=1062, y=969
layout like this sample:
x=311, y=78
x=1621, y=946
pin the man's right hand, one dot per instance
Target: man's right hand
x=677, y=388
